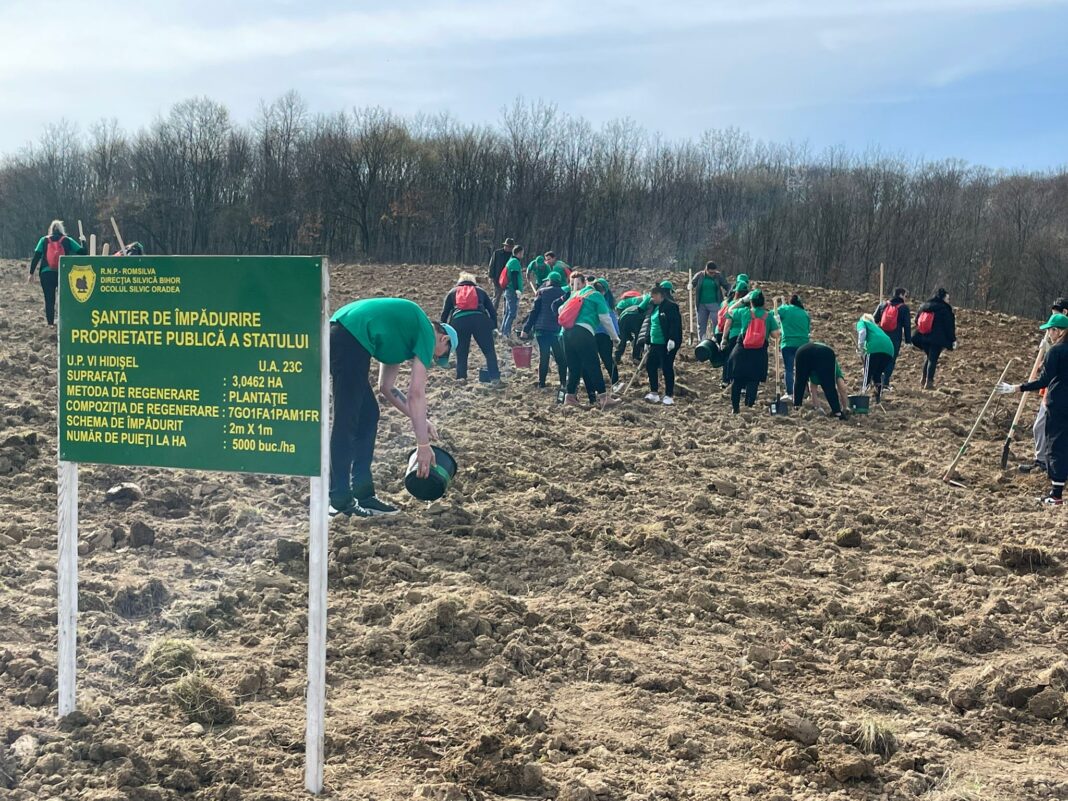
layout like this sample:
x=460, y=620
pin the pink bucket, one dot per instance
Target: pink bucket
x=521, y=355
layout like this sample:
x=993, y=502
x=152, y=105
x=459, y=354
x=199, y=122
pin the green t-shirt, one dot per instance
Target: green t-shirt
x=70, y=248
x=593, y=306
x=514, y=268
x=876, y=340
x=539, y=270
x=393, y=330
x=796, y=326
x=740, y=321
x=708, y=292
x=656, y=333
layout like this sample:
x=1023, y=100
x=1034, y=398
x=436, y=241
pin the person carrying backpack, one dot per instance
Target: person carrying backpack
x=662, y=333
x=817, y=364
x=498, y=261
x=469, y=310
x=730, y=328
x=935, y=332
x=709, y=287
x=511, y=281
x=1053, y=379
x=878, y=350
x=893, y=316
x=544, y=326
x=756, y=325
x=796, y=331
x=579, y=316
x=50, y=248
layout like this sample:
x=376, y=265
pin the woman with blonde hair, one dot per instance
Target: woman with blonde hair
x=878, y=350
x=469, y=309
x=50, y=248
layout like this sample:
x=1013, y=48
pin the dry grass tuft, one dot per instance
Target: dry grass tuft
x=202, y=701
x=167, y=660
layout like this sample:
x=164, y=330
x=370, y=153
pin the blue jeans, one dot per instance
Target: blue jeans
x=511, y=310
x=788, y=355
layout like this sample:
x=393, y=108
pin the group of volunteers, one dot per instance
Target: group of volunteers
x=583, y=330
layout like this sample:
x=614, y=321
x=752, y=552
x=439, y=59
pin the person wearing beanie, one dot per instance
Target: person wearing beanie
x=1053, y=379
x=878, y=350
x=749, y=356
x=392, y=331
x=935, y=331
x=708, y=287
x=662, y=333
x=470, y=311
x=1038, y=429
x=892, y=316
x=604, y=340
x=796, y=330
x=542, y=324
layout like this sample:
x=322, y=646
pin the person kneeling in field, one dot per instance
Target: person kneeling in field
x=392, y=331
x=1053, y=379
x=661, y=333
x=816, y=362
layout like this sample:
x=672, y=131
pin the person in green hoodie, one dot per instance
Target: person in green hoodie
x=796, y=331
x=513, y=288
x=50, y=248
x=878, y=350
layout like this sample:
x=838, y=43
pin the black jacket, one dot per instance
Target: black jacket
x=944, y=332
x=485, y=304
x=498, y=261
x=1053, y=379
x=542, y=316
x=670, y=322
x=904, y=323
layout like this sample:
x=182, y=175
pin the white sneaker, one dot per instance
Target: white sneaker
x=652, y=397
x=618, y=387
x=668, y=400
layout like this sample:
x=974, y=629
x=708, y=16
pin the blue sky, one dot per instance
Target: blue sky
x=981, y=80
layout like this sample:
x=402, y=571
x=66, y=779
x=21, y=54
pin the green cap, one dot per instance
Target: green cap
x=556, y=278
x=1055, y=321
x=670, y=287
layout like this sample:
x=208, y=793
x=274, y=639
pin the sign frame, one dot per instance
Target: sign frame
x=318, y=551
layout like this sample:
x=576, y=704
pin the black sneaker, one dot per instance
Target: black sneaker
x=352, y=510
x=375, y=507
x=1052, y=500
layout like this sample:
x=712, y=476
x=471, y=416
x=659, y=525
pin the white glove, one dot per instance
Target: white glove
x=670, y=345
x=1004, y=388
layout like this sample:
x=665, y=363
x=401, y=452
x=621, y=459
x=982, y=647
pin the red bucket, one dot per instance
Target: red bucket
x=521, y=355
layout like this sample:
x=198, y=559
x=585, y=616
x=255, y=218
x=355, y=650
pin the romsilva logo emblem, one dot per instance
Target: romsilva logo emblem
x=82, y=281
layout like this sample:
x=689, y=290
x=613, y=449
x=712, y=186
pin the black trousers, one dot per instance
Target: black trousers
x=551, y=346
x=604, y=350
x=1057, y=438
x=930, y=364
x=580, y=347
x=630, y=325
x=874, y=367
x=480, y=328
x=750, y=388
x=49, y=283
x=355, y=421
x=660, y=360
x=816, y=360
x=727, y=368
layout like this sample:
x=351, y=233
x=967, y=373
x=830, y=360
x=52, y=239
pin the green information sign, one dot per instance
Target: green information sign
x=204, y=362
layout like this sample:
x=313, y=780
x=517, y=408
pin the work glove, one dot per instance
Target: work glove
x=954, y=347
x=1005, y=388
x=670, y=345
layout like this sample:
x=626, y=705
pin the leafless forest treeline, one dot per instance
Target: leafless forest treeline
x=370, y=185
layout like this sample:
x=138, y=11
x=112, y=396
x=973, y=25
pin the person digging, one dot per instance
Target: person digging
x=1053, y=379
x=1038, y=429
x=392, y=331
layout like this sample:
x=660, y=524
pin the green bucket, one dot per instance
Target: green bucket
x=437, y=482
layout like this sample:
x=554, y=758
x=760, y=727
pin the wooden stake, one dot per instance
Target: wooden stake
x=882, y=286
x=318, y=558
x=693, y=304
x=106, y=250
x=949, y=470
x=81, y=232
x=1019, y=412
x=118, y=236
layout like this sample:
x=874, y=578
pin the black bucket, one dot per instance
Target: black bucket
x=708, y=351
x=780, y=407
x=859, y=404
x=434, y=485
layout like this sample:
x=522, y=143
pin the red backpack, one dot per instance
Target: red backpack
x=53, y=250
x=721, y=316
x=502, y=279
x=925, y=322
x=756, y=333
x=466, y=298
x=569, y=311
x=888, y=322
